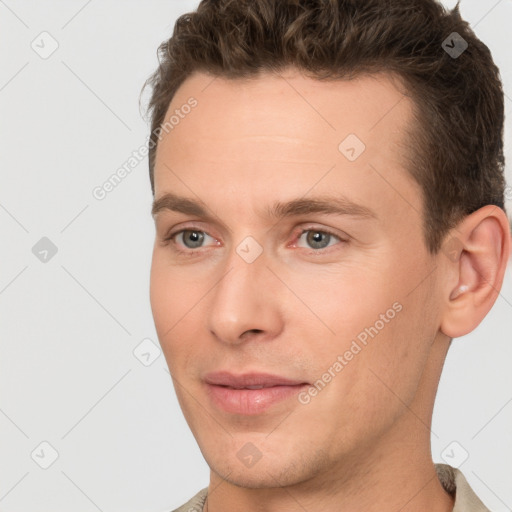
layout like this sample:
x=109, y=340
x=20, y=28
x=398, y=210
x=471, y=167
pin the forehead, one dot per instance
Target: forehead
x=288, y=131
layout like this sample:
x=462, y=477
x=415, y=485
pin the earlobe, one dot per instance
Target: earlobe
x=479, y=267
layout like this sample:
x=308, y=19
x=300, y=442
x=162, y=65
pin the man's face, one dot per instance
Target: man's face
x=342, y=307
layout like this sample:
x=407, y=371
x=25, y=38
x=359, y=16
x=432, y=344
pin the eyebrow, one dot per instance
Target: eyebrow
x=330, y=205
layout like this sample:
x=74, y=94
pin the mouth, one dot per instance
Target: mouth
x=250, y=393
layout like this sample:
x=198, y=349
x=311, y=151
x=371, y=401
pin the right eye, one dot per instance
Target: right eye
x=189, y=238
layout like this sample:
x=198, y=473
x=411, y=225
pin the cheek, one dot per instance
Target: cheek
x=172, y=299
x=374, y=331
x=344, y=303
x=174, y=290
x=363, y=386
x=390, y=365
x=161, y=300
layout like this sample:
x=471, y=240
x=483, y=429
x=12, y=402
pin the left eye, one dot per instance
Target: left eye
x=318, y=239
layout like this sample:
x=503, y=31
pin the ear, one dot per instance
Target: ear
x=477, y=252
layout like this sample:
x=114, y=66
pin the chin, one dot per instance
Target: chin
x=270, y=471
x=252, y=481
x=261, y=477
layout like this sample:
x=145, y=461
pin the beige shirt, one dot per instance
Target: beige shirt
x=452, y=480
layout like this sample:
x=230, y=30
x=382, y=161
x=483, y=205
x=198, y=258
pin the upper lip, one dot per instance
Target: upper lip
x=266, y=380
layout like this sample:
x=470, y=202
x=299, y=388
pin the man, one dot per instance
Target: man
x=328, y=199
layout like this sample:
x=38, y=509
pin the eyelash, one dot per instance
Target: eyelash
x=193, y=252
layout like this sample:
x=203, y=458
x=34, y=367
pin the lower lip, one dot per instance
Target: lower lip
x=251, y=401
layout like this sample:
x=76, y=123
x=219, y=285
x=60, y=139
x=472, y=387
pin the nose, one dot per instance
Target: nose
x=244, y=303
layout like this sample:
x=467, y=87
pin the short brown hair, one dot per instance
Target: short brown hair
x=456, y=146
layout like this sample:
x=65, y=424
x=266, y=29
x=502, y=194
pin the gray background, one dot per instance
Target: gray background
x=69, y=326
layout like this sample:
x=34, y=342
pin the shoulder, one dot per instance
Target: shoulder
x=456, y=484
x=195, y=504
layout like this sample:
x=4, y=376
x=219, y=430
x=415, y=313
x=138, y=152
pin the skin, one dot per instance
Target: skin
x=364, y=440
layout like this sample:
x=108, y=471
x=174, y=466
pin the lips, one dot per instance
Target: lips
x=250, y=393
x=249, y=380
